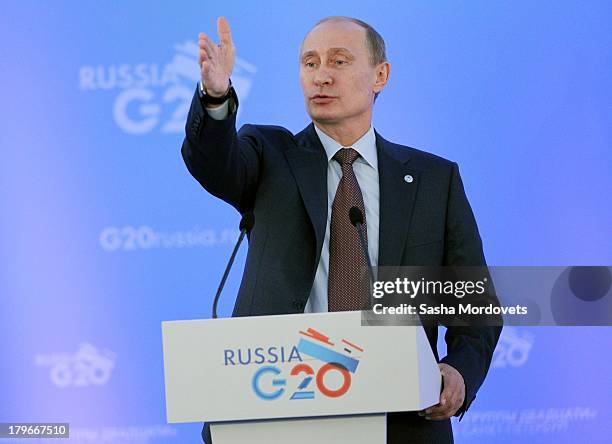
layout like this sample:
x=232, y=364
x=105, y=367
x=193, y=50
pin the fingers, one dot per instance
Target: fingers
x=450, y=401
x=208, y=49
x=451, y=398
x=211, y=49
x=223, y=29
x=216, y=61
x=442, y=410
x=202, y=45
x=439, y=411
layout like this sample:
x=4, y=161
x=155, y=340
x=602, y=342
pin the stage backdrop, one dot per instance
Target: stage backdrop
x=104, y=234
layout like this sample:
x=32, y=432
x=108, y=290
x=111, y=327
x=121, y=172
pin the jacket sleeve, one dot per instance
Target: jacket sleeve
x=226, y=163
x=470, y=348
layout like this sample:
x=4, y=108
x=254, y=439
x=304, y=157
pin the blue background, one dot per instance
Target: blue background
x=104, y=234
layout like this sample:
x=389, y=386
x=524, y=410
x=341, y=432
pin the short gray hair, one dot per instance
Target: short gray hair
x=374, y=41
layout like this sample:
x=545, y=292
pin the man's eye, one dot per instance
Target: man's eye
x=309, y=64
x=341, y=62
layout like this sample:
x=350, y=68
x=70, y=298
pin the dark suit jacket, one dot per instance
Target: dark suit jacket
x=282, y=178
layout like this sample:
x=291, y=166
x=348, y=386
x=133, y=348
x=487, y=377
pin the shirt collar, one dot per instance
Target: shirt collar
x=365, y=146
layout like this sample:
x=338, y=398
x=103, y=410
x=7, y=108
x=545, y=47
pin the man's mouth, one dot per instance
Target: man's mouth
x=322, y=99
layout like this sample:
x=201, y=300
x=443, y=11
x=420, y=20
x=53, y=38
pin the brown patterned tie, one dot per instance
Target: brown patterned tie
x=348, y=285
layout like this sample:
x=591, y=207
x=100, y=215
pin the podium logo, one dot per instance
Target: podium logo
x=328, y=371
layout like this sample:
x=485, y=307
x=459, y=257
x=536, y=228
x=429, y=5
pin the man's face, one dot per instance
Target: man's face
x=337, y=77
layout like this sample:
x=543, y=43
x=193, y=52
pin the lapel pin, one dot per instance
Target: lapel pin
x=408, y=178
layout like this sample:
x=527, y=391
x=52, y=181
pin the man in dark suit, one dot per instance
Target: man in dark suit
x=303, y=252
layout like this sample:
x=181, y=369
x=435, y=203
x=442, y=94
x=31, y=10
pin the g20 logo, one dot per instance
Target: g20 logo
x=149, y=110
x=513, y=348
x=88, y=366
x=304, y=388
x=339, y=361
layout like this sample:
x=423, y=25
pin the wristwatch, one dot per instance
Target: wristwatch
x=210, y=100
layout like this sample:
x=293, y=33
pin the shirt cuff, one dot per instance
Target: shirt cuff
x=218, y=113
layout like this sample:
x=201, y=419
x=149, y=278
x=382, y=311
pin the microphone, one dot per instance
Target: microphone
x=246, y=225
x=356, y=217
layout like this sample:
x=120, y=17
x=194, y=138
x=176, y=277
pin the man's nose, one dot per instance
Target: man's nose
x=322, y=77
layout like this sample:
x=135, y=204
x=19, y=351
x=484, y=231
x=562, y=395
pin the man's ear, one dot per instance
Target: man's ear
x=382, y=76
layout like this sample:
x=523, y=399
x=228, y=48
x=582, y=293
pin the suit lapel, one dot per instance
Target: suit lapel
x=308, y=163
x=398, y=189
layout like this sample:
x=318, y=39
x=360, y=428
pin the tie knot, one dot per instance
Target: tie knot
x=346, y=156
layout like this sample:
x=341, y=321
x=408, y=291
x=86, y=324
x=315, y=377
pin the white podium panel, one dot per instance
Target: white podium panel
x=294, y=366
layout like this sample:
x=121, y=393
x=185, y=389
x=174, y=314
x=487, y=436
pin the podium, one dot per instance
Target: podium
x=299, y=378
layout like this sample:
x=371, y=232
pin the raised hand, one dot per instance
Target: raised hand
x=217, y=61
